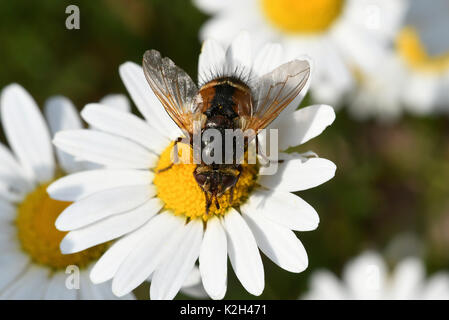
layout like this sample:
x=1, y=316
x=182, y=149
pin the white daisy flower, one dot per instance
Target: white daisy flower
x=160, y=216
x=377, y=94
x=31, y=265
x=413, y=74
x=367, y=277
x=339, y=35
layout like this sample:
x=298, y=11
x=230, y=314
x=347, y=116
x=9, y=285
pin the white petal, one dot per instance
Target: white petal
x=12, y=265
x=27, y=132
x=213, y=259
x=221, y=28
x=388, y=15
x=12, y=174
x=243, y=253
x=196, y=291
x=102, y=291
x=7, y=212
x=366, y=277
x=214, y=6
x=266, y=85
x=88, y=290
x=61, y=115
x=436, y=288
x=82, y=184
x=107, y=266
x=32, y=285
x=239, y=55
x=148, y=253
x=192, y=286
x=421, y=93
x=298, y=174
x=326, y=286
x=109, y=228
x=277, y=242
x=57, y=289
x=170, y=276
x=407, y=279
x=357, y=47
x=117, y=102
x=304, y=124
x=331, y=78
x=125, y=125
x=268, y=58
x=105, y=291
x=146, y=101
x=8, y=194
x=211, y=60
x=193, y=278
x=104, y=148
x=284, y=208
x=103, y=204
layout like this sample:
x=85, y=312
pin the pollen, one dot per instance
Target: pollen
x=414, y=53
x=181, y=194
x=40, y=239
x=302, y=16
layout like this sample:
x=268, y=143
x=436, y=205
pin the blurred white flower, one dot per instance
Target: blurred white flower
x=413, y=72
x=367, y=277
x=340, y=35
x=31, y=264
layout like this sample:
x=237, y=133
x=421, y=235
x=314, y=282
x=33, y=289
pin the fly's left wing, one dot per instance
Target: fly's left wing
x=275, y=90
x=173, y=87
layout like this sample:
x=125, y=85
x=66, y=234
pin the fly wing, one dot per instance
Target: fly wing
x=173, y=87
x=274, y=91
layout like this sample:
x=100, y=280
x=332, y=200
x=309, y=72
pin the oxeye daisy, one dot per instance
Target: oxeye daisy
x=157, y=208
x=31, y=264
x=368, y=277
x=413, y=73
x=340, y=35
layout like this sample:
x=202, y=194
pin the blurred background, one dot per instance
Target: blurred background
x=390, y=192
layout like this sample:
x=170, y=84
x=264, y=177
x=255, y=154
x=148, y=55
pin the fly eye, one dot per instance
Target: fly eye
x=228, y=181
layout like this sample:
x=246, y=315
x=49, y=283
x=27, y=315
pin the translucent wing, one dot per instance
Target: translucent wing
x=173, y=87
x=274, y=92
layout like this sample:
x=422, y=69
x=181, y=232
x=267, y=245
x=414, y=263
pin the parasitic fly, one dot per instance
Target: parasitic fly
x=224, y=102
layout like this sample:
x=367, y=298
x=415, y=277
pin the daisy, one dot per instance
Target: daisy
x=339, y=35
x=160, y=216
x=378, y=94
x=413, y=73
x=367, y=277
x=31, y=265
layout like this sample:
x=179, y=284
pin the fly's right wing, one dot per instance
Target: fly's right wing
x=274, y=91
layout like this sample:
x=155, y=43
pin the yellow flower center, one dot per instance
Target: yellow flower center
x=37, y=233
x=302, y=16
x=414, y=53
x=180, y=192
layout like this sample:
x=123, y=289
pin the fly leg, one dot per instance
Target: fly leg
x=208, y=202
x=231, y=196
x=166, y=168
x=175, y=152
x=217, y=205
